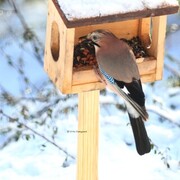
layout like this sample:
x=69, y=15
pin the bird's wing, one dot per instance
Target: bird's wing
x=136, y=92
x=119, y=62
x=130, y=102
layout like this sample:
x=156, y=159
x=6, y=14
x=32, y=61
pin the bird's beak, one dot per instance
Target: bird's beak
x=93, y=43
x=88, y=39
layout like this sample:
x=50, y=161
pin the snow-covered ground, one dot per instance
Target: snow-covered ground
x=117, y=157
x=37, y=160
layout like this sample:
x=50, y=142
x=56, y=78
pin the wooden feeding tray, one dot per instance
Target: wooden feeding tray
x=63, y=34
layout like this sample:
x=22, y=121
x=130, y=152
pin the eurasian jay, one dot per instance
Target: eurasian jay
x=118, y=69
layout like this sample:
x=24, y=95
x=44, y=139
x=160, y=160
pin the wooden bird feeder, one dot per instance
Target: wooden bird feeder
x=61, y=37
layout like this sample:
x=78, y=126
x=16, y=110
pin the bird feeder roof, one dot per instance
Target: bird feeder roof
x=89, y=12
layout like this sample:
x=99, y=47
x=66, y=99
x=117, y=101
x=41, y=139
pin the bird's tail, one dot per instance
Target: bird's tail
x=143, y=145
x=136, y=117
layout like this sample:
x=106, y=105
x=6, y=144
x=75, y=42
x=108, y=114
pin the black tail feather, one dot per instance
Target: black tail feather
x=143, y=145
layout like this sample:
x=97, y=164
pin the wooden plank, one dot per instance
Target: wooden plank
x=60, y=68
x=148, y=66
x=87, y=87
x=144, y=32
x=124, y=29
x=115, y=17
x=148, y=78
x=158, y=42
x=66, y=53
x=84, y=76
x=50, y=65
x=88, y=136
x=99, y=86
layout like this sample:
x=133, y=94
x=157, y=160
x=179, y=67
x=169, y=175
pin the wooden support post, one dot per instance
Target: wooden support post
x=144, y=32
x=88, y=128
x=158, y=42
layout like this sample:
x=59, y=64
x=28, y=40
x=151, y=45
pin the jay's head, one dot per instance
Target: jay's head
x=98, y=37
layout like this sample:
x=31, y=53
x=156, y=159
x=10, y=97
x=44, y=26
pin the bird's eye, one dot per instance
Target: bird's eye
x=94, y=37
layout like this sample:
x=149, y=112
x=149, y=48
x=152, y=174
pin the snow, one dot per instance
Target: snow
x=117, y=157
x=79, y=9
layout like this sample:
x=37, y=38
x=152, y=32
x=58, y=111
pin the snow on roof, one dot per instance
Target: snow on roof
x=78, y=9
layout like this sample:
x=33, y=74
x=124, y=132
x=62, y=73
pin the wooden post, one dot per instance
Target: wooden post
x=158, y=42
x=88, y=129
x=144, y=32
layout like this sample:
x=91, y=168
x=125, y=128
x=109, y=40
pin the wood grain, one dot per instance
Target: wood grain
x=60, y=67
x=158, y=42
x=144, y=32
x=122, y=29
x=88, y=136
x=146, y=66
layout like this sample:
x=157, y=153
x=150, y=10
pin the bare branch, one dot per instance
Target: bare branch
x=163, y=114
x=38, y=134
x=172, y=70
x=29, y=33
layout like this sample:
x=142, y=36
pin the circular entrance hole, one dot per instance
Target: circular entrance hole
x=55, y=41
